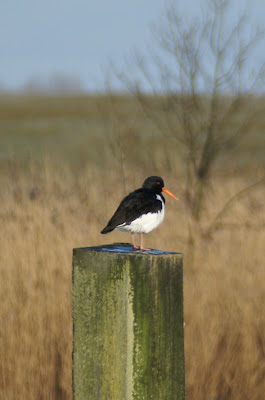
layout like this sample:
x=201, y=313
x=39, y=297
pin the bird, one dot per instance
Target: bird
x=141, y=211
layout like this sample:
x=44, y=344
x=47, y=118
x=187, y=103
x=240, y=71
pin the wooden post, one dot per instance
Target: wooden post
x=128, y=324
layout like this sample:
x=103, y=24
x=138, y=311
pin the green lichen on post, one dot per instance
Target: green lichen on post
x=158, y=331
x=102, y=328
x=128, y=326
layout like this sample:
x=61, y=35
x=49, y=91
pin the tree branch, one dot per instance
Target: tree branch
x=215, y=224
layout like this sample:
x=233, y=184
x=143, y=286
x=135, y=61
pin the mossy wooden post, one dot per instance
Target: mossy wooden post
x=128, y=324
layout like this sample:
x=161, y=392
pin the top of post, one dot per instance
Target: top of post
x=125, y=248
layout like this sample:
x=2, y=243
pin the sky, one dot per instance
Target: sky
x=78, y=39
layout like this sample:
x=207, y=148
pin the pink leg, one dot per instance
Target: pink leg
x=133, y=243
x=142, y=243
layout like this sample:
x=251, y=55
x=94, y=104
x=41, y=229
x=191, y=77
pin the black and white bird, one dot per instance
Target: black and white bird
x=141, y=211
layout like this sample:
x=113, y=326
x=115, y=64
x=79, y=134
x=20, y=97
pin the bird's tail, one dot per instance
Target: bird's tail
x=107, y=229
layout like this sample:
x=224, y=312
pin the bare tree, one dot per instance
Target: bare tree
x=203, y=91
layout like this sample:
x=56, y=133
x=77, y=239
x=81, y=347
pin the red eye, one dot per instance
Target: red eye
x=158, y=183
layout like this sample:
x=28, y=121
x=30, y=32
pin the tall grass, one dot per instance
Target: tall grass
x=100, y=149
x=47, y=210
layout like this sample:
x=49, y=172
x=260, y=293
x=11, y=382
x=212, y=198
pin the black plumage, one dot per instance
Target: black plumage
x=137, y=203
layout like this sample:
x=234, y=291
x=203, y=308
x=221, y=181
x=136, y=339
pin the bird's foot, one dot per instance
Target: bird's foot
x=136, y=247
x=144, y=249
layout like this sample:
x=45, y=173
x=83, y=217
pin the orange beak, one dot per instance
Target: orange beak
x=169, y=193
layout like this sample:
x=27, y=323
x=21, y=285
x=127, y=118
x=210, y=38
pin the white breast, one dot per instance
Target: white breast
x=147, y=222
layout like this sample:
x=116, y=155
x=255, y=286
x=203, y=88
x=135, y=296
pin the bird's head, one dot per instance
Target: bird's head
x=156, y=184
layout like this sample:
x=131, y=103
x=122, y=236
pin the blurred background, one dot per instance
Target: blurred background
x=93, y=99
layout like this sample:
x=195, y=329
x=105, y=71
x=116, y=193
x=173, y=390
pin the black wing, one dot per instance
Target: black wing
x=139, y=202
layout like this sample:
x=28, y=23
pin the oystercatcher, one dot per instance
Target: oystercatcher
x=141, y=211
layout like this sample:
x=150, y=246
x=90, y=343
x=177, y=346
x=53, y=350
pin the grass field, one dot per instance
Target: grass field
x=65, y=165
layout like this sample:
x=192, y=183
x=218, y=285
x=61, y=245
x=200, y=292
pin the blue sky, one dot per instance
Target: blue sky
x=78, y=38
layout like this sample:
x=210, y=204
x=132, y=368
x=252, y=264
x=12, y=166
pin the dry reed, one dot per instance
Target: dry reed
x=46, y=211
